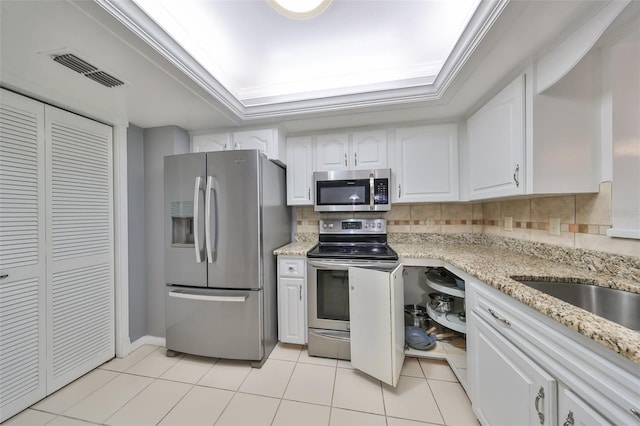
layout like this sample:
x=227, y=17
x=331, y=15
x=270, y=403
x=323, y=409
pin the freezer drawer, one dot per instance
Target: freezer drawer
x=215, y=323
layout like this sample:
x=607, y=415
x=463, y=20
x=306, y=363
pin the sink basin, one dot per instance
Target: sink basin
x=621, y=307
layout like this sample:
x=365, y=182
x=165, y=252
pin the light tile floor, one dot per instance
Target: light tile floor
x=292, y=388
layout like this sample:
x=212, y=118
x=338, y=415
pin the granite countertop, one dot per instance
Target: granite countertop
x=496, y=265
x=299, y=248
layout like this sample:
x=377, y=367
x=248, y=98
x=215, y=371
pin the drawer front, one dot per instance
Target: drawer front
x=215, y=323
x=292, y=267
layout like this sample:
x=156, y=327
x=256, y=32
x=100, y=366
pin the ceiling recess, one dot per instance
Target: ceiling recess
x=81, y=66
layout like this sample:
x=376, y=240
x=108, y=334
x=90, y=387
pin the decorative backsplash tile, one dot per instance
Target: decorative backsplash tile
x=584, y=220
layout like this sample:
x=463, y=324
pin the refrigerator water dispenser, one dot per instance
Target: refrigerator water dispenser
x=182, y=224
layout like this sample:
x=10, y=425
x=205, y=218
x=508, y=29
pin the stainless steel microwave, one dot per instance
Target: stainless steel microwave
x=352, y=190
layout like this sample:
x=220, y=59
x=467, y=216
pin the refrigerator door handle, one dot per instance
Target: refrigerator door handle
x=207, y=218
x=205, y=298
x=196, y=218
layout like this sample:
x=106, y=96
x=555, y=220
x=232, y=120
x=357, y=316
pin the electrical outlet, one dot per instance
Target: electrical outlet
x=508, y=223
x=430, y=221
x=554, y=226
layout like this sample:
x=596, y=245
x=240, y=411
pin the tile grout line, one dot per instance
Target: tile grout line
x=285, y=388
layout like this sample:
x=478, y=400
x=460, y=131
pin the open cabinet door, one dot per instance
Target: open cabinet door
x=376, y=303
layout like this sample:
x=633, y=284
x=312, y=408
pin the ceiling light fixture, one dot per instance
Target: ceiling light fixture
x=300, y=9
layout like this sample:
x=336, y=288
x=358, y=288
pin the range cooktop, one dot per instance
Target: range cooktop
x=353, y=239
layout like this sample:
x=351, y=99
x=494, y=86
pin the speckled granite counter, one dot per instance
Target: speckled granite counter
x=496, y=265
x=298, y=248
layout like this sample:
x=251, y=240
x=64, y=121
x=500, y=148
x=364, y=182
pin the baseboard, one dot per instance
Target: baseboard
x=147, y=340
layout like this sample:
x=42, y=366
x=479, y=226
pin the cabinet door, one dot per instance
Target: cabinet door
x=331, y=152
x=22, y=255
x=254, y=139
x=376, y=316
x=80, y=264
x=368, y=150
x=291, y=318
x=211, y=142
x=426, y=164
x=300, y=189
x=496, y=136
x=572, y=410
x=509, y=387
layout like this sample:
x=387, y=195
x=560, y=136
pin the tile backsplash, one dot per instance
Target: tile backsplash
x=583, y=220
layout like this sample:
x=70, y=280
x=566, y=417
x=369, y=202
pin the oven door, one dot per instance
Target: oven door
x=328, y=290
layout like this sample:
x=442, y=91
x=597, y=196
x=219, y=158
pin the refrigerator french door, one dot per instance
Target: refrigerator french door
x=219, y=266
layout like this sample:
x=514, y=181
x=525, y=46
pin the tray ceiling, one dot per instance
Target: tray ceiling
x=263, y=57
x=165, y=85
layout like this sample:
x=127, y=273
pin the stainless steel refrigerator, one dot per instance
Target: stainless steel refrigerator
x=225, y=214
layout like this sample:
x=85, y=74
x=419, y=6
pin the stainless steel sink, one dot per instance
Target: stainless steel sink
x=619, y=306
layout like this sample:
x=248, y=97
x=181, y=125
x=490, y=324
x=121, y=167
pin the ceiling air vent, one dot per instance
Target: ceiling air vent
x=83, y=67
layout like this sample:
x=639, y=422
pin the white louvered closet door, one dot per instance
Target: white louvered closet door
x=22, y=273
x=80, y=277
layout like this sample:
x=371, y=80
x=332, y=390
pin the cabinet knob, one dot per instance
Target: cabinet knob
x=3, y=276
x=355, y=158
x=291, y=269
x=345, y=159
x=309, y=194
x=515, y=176
x=399, y=191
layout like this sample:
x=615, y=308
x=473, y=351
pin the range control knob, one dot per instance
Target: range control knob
x=331, y=226
x=324, y=225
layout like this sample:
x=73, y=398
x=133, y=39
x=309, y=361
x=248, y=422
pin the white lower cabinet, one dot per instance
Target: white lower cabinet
x=376, y=315
x=573, y=410
x=292, y=300
x=510, y=388
x=526, y=369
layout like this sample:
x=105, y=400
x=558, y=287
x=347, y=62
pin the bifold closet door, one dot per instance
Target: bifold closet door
x=80, y=270
x=22, y=273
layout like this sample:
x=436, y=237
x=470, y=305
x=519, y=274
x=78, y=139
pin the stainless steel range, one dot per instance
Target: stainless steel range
x=342, y=243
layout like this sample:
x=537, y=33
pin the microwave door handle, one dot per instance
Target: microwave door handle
x=207, y=218
x=196, y=218
x=371, y=191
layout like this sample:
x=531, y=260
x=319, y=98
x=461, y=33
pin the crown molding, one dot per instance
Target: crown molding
x=414, y=90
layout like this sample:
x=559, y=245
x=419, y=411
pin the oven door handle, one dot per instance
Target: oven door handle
x=345, y=265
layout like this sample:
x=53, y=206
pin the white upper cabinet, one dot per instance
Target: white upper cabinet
x=368, y=150
x=300, y=189
x=254, y=139
x=523, y=142
x=425, y=164
x=331, y=152
x=496, y=138
x=269, y=141
x=211, y=142
x=351, y=151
